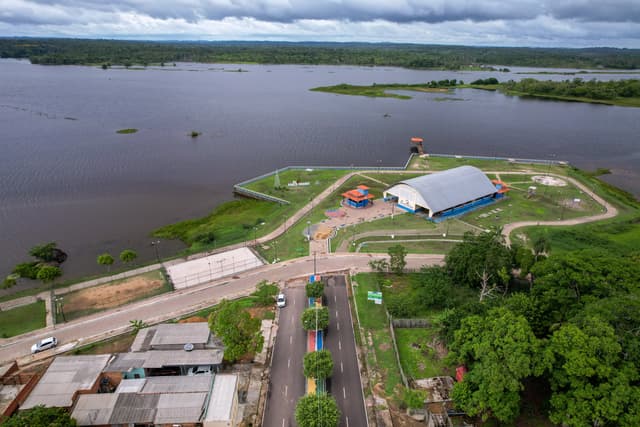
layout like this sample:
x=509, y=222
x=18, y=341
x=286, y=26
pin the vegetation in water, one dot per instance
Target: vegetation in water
x=616, y=92
x=106, y=53
x=127, y=131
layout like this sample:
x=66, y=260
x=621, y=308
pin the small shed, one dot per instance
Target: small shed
x=358, y=198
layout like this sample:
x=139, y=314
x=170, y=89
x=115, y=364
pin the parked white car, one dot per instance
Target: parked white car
x=44, y=344
x=199, y=370
x=281, y=301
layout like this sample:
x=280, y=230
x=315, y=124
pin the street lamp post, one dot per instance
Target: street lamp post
x=155, y=244
x=255, y=231
x=309, y=231
x=314, y=263
x=275, y=249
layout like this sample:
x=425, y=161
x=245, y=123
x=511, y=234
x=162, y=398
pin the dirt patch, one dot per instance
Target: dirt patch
x=550, y=181
x=193, y=319
x=572, y=204
x=384, y=346
x=259, y=312
x=112, y=295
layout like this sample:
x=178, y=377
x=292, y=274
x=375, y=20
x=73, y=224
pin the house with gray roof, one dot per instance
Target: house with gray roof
x=65, y=378
x=208, y=401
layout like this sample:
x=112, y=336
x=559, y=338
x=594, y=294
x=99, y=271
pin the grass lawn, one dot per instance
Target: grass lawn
x=111, y=295
x=440, y=163
x=22, y=319
x=243, y=219
x=377, y=336
x=424, y=246
x=419, y=353
x=549, y=204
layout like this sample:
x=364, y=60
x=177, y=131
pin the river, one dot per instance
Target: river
x=67, y=176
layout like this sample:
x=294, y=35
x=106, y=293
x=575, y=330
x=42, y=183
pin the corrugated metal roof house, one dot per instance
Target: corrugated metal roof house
x=65, y=376
x=442, y=191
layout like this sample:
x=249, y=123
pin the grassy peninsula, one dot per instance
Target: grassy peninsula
x=624, y=93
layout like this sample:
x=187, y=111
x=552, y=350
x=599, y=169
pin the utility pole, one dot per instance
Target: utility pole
x=155, y=244
x=314, y=263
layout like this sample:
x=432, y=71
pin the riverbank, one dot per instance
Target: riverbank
x=383, y=91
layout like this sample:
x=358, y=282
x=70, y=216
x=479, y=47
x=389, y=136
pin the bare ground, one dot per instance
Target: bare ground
x=113, y=295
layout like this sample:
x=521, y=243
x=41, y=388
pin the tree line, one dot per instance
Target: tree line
x=593, y=89
x=564, y=326
x=127, y=53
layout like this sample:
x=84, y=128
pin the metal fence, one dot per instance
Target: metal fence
x=411, y=323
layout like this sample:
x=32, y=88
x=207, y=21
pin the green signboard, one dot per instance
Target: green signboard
x=375, y=297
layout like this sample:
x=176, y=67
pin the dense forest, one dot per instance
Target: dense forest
x=592, y=89
x=561, y=326
x=119, y=52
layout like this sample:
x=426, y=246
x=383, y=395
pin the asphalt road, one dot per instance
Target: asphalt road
x=167, y=306
x=345, y=385
x=286, y=384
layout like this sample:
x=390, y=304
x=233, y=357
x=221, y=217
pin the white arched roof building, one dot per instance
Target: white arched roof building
x=441, y=191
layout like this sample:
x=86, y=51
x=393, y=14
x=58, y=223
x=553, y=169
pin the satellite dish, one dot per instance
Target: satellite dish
x=188, y=347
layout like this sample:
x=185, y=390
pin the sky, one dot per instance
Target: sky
x=547, y=23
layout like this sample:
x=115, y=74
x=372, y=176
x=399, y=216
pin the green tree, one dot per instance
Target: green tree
x=500, y=351
x=138, y=324
x=414, y=399
x=49, y=273
x=128, y=255
x=48, y=252
x=318, y=364
x=239, y=332
x=28, y=270
x=540, y=246
x=478, y=259
x=41, y=416
x=591, y=383
x=397, y=261
x=265, y=293
x=105, y=259
x=315, y=318
x=317, y=410
x=10, y=281
x=315, y=289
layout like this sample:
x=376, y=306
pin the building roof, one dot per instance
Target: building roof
x=171, y=334
x=65, y=376
x=94, y=409
x=162, y=358
x=155, y=400
x=222, y=397
x=168, y=384
x=440, y=191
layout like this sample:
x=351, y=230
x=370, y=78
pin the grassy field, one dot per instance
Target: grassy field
x=549, y=204
x=377, y=337
x=424, y=246
x=243, y=219
x=420, y=353
x=112, y=295
x=441, y=163
x=22, y=319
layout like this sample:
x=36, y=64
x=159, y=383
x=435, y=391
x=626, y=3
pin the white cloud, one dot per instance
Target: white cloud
x=573, y=23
